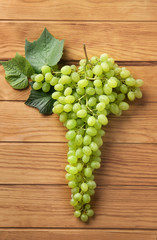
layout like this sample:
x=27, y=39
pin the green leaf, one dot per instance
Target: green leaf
x=40, y=100
x=17, y=71
x=46, y=50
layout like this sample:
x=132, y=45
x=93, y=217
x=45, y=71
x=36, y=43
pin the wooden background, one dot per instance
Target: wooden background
x=34, y=197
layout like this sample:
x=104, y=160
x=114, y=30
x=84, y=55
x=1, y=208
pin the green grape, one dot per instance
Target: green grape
x=79, y=167
x=82, y=62
x=104, y=99
x=138, y=93
x=92, y=101
x=85, y=158
x=91, y=131
x=72, y=159
x=61, y=99
x=58, y=108
x=84, y=187
x=80, y=91
x=95, y=164
x=65, y=79
x=97, y=70
x=69, y=176
x=103, y=57
x=39, y=77
x=93, y=146
x=90, y=212
x=68, y=107
x=82, y=83
x=71, y=124
x=59, y=87
x=46, y=87
x=110, y=74
x=77, y=213
x=94, y=60
x=130, y=82
x=67, y=91
x=114, y=108
x=139, y=83
x=56, y=95
x=103, y=119
x=78, y=197
x=87, y=206
x=123, y=88
x=99, y=90
x=76, y=107
x=63, y=117
x=112, y=82
x=131, y=95
x=73, y=170
x=87, y=140
x=97, y=83
x=73, y=67
x=45, y=69
x=54, y=81
x=48, y=77
x=81, y=113
x=70, y=134
x=84, y=217
x=87, y=150
x=86, y=198
x=75, y=190
x=33, y=77
x=73, y=202
x=91, y=121
x=107, y=89
x=75, y=76
x=97, y=125
x=66, y=70
x=105, y=67
x=88, y=172
x=69, y=99
x=120, y=97
x=37, y=85
x=100, y=106
x=91, y=184
x=71, y=152
x=72, y=184
x=110, y=61
x=124, y=73
x=123, y=106
x=90, y=90
x=78, y=139
x=79, y=153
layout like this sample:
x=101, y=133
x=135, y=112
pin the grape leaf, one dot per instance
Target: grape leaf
x=17, y=71
x=46, y=50
x=40, y=100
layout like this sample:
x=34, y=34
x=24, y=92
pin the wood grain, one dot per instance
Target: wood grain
x=147, y=73
x=122, y=164
x=125, y=41
x=72, y=234
x=82, y=10
x=22, y=123
x=47, y=206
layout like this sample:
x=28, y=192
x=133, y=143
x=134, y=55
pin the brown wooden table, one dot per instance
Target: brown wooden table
x=34, y=197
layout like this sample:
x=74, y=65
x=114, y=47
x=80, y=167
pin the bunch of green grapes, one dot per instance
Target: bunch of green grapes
x=85, y=96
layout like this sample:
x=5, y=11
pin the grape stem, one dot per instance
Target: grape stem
x=85, y=52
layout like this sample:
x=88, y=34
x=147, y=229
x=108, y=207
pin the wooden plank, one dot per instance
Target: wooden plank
x=22, y=123
x=126, y=41
x=72, y=234
x=48, y=206
x=147, y=73
x=122, y=164
x=82, y=10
